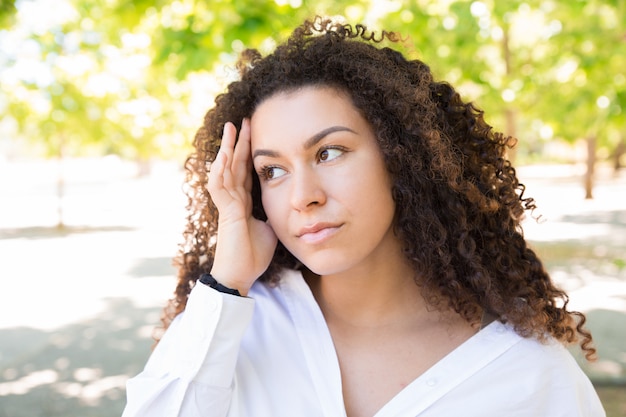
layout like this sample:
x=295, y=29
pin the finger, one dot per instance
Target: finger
x=219, y=171
x=226, y=149
x=215, y=183
x=248, y=184
x=228, y=137
x=242, y=160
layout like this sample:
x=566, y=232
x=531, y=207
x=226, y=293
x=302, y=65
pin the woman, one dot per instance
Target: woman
x=355, y=229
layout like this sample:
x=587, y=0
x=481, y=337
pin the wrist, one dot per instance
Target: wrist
x=224, y=277
x=211, y=281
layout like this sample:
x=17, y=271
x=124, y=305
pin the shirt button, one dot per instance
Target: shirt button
x=431, y=382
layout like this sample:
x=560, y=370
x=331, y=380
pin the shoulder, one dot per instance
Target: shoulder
x=537, y=362
x=499, y=373
x=546, y=359
x=541, y=373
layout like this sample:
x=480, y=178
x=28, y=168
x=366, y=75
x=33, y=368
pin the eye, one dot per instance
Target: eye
x=330, y=153
x=267, y=173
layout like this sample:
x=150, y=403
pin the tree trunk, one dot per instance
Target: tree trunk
x=511, y=131
x=144, y=167
x=60, y=184
x=591, y=163
x=619, y=151
x=509, y=113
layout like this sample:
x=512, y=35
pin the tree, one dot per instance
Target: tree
x=587, y=82
x=134, y=78
x=485, y=49
x=7, y=13
x=53, y=89
x=542, y=70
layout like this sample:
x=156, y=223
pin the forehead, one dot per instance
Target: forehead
x=299, y=114
x=309, y=95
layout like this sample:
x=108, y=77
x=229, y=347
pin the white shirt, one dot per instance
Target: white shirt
x=271, y=355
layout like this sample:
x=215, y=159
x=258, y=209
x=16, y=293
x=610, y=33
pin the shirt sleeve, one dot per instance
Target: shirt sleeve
x=191, y=371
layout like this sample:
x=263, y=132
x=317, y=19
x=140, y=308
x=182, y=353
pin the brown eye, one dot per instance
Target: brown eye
x=270, y=172
x=330, y=153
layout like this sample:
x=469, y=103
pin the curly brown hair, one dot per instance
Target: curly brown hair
x=459, y=203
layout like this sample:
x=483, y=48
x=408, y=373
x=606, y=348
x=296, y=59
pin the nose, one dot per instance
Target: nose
x=307, y=190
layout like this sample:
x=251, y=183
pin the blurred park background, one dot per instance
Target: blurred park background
x=99, y=101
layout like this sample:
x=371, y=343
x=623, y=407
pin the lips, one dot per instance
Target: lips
x=318, y=232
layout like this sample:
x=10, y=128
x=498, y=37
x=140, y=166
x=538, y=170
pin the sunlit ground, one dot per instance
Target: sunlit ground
x=79, y=305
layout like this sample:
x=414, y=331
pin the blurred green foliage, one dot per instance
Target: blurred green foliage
x=7, y=12
x=135, y=77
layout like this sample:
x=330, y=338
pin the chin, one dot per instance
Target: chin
x=326, y=268
x=328, y=260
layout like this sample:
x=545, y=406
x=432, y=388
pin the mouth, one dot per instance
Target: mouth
x=318, y=232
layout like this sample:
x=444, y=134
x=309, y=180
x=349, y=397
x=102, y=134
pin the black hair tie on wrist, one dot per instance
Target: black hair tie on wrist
x=207, y=279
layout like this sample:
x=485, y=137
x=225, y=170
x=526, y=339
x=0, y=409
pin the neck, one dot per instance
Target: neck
x=369, y=296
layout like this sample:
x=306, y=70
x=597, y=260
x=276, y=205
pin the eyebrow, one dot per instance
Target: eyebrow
x=309, y=143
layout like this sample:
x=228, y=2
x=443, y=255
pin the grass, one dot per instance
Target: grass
x=613, y=399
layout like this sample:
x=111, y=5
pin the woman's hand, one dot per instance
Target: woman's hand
x=245, y=245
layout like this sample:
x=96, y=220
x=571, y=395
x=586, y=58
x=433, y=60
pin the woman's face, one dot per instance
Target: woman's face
x=324, y=185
